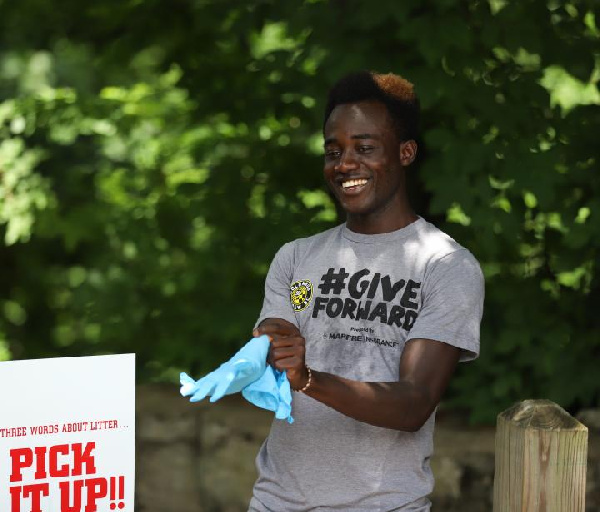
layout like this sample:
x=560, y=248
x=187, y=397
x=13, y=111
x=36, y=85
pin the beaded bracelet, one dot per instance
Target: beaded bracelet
x=307, y=385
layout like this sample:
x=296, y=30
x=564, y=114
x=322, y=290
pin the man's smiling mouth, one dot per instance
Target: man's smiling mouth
x=353, y=185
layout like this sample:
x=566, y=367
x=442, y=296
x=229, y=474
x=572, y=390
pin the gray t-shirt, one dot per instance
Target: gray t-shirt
x=357, y=299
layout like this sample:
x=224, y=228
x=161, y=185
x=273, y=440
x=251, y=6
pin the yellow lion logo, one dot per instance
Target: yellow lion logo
x=301, y=293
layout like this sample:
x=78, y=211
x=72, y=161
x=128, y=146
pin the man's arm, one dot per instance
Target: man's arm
x=425, y=370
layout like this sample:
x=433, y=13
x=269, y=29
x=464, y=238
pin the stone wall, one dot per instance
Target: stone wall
x=200, y=457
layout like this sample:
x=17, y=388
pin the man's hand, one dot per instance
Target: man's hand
x=287, y=349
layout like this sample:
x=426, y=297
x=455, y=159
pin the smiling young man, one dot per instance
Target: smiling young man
x=369, y=320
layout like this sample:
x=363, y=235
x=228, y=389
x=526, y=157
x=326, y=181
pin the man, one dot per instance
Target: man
x=368, y=319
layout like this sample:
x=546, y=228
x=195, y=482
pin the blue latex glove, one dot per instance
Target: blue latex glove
x=272, y=392
x=246, y=371
x=246, y=366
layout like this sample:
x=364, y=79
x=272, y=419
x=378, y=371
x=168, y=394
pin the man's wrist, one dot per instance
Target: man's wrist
x=308, y=381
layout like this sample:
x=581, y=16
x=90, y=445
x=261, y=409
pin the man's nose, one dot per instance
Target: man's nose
x=347, y=162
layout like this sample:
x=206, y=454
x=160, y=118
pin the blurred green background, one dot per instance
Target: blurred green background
x=155, y=154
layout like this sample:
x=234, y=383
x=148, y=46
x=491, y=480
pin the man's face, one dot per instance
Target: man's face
x=363, y=164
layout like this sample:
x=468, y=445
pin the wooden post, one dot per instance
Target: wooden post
x=541, y=458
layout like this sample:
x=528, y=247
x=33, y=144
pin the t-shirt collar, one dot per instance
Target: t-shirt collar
x=377, y=238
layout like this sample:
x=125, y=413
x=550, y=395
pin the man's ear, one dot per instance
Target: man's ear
x=408, y=152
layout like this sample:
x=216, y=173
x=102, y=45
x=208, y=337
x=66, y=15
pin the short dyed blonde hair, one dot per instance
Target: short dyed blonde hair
x=396, y=93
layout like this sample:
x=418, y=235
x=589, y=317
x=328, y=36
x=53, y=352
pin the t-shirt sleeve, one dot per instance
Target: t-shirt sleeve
x=276, y=303
x=452, y=303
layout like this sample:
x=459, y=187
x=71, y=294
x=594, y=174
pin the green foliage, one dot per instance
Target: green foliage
x=153, y=157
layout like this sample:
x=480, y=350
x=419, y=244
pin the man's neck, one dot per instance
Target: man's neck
x=371, y=224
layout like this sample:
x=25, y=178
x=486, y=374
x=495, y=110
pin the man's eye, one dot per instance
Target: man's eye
x=365, y=149
x=332, y=153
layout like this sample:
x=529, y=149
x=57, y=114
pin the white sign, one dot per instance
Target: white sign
x=67, y=434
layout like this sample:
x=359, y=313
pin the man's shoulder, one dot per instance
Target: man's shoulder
x=296, y=249
x=304, y=243
x=434, y=244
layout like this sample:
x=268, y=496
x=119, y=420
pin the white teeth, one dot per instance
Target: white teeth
x=353, y=183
